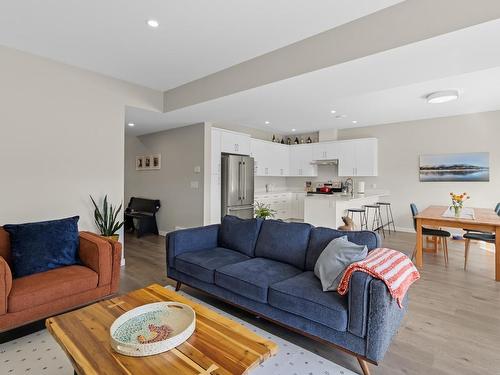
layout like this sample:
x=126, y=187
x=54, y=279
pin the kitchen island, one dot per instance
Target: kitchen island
x=327, y=210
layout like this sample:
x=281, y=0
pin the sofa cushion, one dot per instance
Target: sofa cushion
x=45, y=287
x=333, y=261
x=202, y=264
x=239, y=234
x=284, y=242
x=43, y=246
x=252, y=278
x=321, y=237
x=302, y=295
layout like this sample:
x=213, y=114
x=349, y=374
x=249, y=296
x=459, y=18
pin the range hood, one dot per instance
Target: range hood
x=325, y=162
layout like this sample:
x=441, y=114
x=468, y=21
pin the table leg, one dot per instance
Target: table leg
x=418, y=255
x=497, y=253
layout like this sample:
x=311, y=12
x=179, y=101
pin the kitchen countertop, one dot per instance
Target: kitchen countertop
x=279, y=192
x=348, y=197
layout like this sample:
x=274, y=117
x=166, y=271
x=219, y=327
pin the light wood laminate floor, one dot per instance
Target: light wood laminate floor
x=452, y=326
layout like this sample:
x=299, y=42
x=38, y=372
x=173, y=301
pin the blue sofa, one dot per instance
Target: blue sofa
x=266, y=267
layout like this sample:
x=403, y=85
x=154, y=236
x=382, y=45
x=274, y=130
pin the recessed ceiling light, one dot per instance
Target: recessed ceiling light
x=333, y=111
x=439, y=97
x=131, y=124
x=294, y=130
x=354, y=122
x=153, y=23
x=267, y=123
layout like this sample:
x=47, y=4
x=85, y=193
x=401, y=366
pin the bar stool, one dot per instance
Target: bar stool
x=388, y=214
x=362, y=216
x=377, y=223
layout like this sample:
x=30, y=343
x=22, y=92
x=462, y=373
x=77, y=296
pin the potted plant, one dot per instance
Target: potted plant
x=106, y=219
x=263, y=211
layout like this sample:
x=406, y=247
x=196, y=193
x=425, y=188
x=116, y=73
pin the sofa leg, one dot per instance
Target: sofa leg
x=364, y=366
x=178, y=286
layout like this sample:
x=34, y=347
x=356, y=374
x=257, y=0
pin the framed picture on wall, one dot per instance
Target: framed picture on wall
x=463, y=167
x=148, y=162
x=156, y=161
x=139, y=163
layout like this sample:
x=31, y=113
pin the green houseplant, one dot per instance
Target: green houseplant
x=263, y=211
x=106, y=218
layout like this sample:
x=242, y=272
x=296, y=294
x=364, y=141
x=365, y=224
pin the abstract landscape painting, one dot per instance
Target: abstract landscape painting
x=474, y=166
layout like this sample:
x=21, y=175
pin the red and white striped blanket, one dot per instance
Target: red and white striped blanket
x=394, y=268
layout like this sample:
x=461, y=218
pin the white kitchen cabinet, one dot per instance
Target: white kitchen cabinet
x=326, y=150
x=301, y=157
x=270, y=159
x=216, y=151
x=359, y=157
x=297, y=206
x=279, y=159
x=235, y=143
x=262, y=155
x=366, y=157
x=347, y=159
x=280, y=203
x=215, y=199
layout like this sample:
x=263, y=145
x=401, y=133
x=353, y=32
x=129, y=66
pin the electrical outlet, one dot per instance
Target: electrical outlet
x=195, y=185
x=197, y=169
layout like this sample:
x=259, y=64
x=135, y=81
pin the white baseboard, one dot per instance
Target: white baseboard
x=405, y=230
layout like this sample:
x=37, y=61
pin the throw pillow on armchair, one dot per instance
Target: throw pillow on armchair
x=42, y=246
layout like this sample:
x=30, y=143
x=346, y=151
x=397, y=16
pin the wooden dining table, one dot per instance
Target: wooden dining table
x=485, y=219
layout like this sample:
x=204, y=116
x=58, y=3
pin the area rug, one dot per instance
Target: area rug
x=39, y=354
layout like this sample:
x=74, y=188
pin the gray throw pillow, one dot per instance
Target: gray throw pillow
x=336, y=257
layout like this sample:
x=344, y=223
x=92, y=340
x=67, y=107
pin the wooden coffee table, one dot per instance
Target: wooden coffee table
x=218, y=346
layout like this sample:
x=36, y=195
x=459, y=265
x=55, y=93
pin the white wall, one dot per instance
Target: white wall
x=401, y=144
x=181, y=149
x=61, y=137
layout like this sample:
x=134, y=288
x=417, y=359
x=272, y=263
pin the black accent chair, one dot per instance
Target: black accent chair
x=478, y=236
x=140, y=215
x=442, y=234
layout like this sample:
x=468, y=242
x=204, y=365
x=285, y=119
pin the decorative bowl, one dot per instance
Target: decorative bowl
x=153, y=328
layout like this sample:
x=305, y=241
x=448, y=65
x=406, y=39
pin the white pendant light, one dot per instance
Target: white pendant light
x=439, y=97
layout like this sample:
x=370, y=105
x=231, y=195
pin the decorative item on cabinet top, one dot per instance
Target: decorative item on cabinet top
x=148, y=162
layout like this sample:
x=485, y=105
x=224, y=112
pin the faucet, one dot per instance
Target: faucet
x=349, y=184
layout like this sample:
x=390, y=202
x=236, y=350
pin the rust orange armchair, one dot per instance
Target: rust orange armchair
x=34, y=297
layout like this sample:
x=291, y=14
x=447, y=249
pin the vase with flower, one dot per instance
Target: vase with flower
x=457, y=202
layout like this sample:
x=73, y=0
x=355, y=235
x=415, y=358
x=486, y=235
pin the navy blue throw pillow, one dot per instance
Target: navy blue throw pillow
x=239, y=234
x=43, y=246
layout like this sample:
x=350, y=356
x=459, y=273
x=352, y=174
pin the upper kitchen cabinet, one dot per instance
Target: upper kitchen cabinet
x=326, y=150
x=270, y=159
x=358, y=157
x=366, y=157
x=235, y=143
x=301, y=157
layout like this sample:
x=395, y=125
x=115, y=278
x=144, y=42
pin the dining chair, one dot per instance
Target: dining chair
x=478, y=236
x=439, y=233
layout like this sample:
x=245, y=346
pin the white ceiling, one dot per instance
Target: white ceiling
x=195, y=38
x=383, y=88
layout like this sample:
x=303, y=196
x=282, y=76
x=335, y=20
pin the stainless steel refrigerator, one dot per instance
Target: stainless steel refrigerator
x=237, y=186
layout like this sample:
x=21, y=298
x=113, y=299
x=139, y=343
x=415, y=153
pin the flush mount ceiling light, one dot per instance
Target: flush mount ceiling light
x=131, y=124
x=439, y=97
x=333, y=111
x=354, y=122
x=267, y=122
x=294, y=130
x=153, y=23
